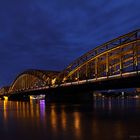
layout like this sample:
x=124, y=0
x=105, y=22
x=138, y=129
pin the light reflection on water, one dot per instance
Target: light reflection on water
x=103, y=119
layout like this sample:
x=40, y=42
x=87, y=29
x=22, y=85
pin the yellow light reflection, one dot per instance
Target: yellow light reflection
x=63, y=119
x=23, y=110
x=5, y=109
x=31, y=108
x=53, y=118
x=28, y=110
x=77, y=124
x=17, y=107
x=37, y=111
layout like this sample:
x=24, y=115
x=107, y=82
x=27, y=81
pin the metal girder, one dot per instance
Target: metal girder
x=32, y=79
x=121, y=43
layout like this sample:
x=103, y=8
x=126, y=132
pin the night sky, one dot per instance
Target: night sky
x=49, y=34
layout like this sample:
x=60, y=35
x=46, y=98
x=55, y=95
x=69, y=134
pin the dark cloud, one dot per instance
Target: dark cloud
x=48, y=34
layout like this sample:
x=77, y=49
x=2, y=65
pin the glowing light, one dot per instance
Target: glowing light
x=77, y=125
x=5, y=109
x=42, y=108
x=5, y=98
x=76, y=78
x=53, y=118
x=31, y=97
x=63, y=119
x=53, y=81
x=77, y=120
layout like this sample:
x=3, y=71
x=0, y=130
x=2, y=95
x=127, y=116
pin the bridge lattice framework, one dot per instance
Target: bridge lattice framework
x=117, y=57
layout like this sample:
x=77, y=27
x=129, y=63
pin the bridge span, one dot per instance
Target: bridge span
x=115, y=64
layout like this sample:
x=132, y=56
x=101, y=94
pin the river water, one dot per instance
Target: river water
x=104, y=119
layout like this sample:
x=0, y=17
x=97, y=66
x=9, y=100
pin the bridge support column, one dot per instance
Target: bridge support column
x=86, y=71
x=136, y=61
x=121, y=62
x=96, y=68
x=78, y=75
x=107, y=65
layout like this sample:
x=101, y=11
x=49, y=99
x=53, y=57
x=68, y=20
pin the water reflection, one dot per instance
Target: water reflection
x=109, y=104
x=5, y=110
x=42, y=109
x=63, y=120
x=104, y=119
x=53, y=118
x=77, y=127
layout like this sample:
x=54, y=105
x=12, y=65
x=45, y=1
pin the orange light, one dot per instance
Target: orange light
x=5, y=98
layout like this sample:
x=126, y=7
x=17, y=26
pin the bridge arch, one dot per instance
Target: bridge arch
x=114, y=57
x=32, y=79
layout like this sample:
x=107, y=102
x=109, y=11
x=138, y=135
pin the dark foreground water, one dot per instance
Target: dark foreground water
x=105, y=119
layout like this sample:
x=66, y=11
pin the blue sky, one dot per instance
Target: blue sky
x=49, y=34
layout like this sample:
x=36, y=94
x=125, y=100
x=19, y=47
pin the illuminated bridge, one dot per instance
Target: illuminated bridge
x=115, y=64
x=31, y=80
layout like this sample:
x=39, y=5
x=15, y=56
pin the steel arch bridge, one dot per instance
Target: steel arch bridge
x=117, y=57
x=32, y=79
